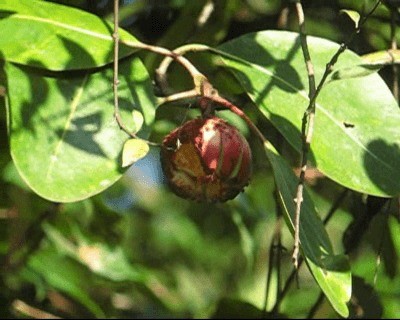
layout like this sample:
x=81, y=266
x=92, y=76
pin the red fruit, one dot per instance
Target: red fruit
x=206, y=160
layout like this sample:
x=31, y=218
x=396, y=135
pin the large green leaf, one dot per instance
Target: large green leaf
x=64, y=139
x=356, y=138
x=332, y=272
x=56, y=37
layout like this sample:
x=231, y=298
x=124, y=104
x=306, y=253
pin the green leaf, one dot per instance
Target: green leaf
x=137, y=119
x=332, y=272
x=236, y=309
x=65, y=275
x=372, y=63
x=56, y=37
x=386, y=57
x=356, y=71
x=134, y=150
x=356, y=139
x=64, y=139
x=353, y=15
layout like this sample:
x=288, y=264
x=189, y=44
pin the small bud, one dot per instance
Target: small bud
x=206, y=160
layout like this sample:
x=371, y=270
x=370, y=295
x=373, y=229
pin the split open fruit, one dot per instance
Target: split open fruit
x=206, y=160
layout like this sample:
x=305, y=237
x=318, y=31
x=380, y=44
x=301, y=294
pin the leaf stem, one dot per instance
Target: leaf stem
x=229, y=105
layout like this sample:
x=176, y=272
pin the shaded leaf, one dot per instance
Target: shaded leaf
x=64, y=139
x=68, y=38
x=236, y=309
x=134, y=150
x=332, y=272
x=356, y=71
x=356, y=140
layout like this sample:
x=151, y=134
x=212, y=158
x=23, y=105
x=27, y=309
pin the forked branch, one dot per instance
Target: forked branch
x=309, y=114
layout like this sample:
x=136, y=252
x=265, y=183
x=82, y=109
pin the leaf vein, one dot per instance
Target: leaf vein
x=65, y=26
x=74, y=106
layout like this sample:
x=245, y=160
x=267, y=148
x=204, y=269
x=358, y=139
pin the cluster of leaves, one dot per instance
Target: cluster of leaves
x=109, y=241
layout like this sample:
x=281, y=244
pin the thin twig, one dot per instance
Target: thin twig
x=161, y=71
x=336, y=204
x=197, y=76
x=384, y=231
x=307, y=131
x=115, y=36
x=309, y=115
x=117, y=113
x=275, y=255
x=286, y=287
x=193, y=71
x=179, y=96
x=271, y=261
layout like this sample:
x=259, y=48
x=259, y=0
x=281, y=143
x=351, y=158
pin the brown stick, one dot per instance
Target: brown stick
x=309, y=115
x=307, y=131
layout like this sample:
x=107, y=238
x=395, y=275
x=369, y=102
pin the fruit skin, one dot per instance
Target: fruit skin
x=206, y=160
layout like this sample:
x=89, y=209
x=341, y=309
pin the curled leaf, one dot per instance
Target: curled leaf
x=353, y=15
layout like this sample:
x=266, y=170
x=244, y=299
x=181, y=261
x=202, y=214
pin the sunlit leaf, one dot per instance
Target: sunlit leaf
x=64, y=139
x=353, y=15
x=134, y=150
x=137, y=120
x=386, y=57
x=356, y=139
x=56, y=37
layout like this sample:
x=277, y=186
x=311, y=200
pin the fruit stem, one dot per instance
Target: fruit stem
x=229, y=105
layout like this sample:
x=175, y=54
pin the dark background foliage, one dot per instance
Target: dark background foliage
x=138, y=251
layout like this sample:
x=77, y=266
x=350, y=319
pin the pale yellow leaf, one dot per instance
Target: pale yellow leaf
x=134, y=150
x=137, y=120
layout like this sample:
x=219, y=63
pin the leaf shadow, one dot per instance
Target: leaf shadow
x=79, y=130
x=383, y=176
x=81, y=134
x=76, y=52
x=279, y=71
